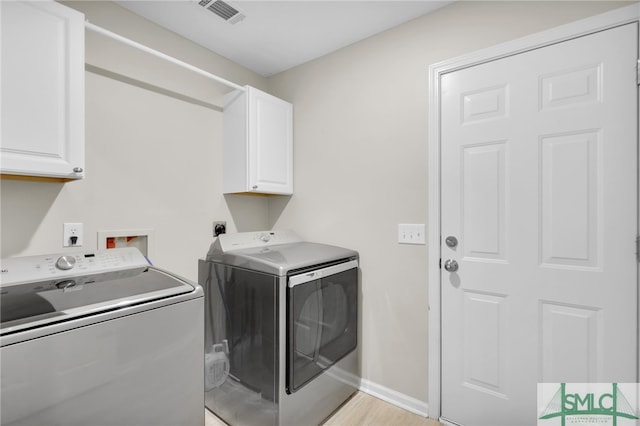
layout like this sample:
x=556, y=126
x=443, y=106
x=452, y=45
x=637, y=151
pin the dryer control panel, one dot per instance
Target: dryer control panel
x=27, y=269
x=246, y=240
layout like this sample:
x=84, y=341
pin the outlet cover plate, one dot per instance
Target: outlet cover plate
x=72, y=230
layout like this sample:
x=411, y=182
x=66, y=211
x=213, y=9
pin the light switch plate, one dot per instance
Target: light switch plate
x=411, y=233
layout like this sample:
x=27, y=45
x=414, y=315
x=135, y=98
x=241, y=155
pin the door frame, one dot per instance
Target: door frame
x=604, y=21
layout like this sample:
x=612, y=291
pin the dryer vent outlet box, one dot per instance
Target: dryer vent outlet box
x=223, y=9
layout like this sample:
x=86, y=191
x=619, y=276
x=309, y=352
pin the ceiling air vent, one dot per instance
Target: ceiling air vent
x=223, y=10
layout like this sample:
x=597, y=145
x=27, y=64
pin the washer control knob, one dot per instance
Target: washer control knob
x=65, y=262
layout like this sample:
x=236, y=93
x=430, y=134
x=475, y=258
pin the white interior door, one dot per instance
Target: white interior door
x=539, y=168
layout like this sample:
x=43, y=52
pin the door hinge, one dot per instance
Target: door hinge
x=440, y=264
x=638, y=249
x=638, y=72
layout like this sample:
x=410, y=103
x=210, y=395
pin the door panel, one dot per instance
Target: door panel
x=539, y=171
x=569, y=346
x=484, y=339
x=483, y=198
x=569, y=201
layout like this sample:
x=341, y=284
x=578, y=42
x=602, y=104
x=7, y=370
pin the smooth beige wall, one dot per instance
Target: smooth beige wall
x=360, y=129
x=152, y=161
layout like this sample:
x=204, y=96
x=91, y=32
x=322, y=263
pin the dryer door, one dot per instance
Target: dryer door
x=322, y=320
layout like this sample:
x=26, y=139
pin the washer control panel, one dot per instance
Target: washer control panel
x=28, y=269
x=65, y=262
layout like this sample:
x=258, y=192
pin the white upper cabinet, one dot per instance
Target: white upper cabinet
x=42, y=91
x=257, y=143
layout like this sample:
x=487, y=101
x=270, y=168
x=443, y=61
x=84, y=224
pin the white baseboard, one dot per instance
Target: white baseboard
x=394, y=397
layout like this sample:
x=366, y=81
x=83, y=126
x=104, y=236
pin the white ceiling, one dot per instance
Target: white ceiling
x=277, y=35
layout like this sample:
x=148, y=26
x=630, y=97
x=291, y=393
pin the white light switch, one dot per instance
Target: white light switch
x=411, y=233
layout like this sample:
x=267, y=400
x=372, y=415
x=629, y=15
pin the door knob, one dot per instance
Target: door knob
x=450, y=265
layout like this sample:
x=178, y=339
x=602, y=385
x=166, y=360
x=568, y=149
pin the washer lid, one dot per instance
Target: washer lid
x=37, y=304
x=283, y=258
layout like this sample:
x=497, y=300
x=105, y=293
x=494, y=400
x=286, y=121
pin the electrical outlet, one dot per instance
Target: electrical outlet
x=219, y=227
x=72, y=235
x=411, y=233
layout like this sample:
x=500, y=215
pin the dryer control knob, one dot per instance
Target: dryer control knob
x=65, y=262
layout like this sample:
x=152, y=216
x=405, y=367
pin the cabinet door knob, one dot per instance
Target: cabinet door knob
x=78, y=170
x=255, y=186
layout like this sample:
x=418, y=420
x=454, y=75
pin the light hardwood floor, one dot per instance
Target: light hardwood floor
x=360, y=410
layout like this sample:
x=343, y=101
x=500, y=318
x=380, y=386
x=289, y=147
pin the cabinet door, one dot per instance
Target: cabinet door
x=270, y=144
x=42, y=90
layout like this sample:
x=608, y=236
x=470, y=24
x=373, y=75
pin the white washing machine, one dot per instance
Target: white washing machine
x=281, y=328
x=99, y=338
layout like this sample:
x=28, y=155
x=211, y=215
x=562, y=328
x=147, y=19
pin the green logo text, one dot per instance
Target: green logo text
x=613, y=404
